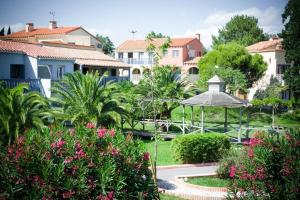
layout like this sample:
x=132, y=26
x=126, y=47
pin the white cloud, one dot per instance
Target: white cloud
x=269, y=19
x=14, y=27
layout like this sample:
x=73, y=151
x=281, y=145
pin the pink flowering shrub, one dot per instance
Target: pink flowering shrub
x=269, y=168
x=80, y=163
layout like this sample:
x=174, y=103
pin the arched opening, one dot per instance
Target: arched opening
x=136, y=75
x=136, y=71
x=193, y=70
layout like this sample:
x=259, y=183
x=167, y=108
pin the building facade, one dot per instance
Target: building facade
x=183, y=53
x=274, y=55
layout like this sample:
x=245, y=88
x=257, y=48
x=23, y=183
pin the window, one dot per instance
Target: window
x=175, y=53
x=17, y=71
x=120, y=55
x=166, y=53
x=60, y=72
x=44, y=72
x=141, y=55
x=194, y=70
x=281, y=68
x=113, y=72
x=130, y=55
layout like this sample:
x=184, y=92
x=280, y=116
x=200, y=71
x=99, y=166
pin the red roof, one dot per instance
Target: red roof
x=265, y=46
x=32, y=50
x=43, y=31
x=142, y=44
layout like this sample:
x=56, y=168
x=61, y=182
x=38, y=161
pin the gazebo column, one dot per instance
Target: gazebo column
x=240, y=128
x=183, y=119
x=192, y=115
x=202, y=119
x=225, y=123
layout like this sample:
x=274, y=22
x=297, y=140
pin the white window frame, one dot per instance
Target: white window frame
x=175, y=53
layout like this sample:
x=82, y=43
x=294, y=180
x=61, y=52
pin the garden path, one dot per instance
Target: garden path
x=166, y=181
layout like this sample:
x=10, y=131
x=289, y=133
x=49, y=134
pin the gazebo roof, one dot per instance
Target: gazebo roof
x=214, y=98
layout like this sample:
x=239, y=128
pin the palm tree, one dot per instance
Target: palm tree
x=167, y=86
x=20, y=111
x=83, y=98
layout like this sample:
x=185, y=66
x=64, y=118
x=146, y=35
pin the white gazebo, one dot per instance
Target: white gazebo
x=214, y=97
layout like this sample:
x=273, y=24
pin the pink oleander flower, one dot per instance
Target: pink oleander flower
x=146, y=156
x=250, y=153
x=59, y=144
x=79, y=153
x=260, y=173
x=232, y=171
x=112, y=133
x=101, y=133
x=68, y=159
x=254, y=142
x=90, y=125
x=68, y=194
x=115, y=152
x=110, y=196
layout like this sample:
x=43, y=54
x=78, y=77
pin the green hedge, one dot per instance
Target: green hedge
x=198, y=148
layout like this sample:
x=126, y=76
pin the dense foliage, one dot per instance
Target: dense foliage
x=198, y=148
x=242, y=29
x=165, y=84
x=235, y=58
x=81, y=163
x=106, y=44
x=82, y=98
x=20, y=111
x=269, y=168
x=291, y=45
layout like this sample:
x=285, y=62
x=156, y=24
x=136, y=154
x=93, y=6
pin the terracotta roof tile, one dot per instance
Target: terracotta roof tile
x=270, y=45
x=42, y=31
x=32, y=50
x=136, y=45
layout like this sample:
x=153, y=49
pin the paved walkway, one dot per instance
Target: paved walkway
x=166, y=181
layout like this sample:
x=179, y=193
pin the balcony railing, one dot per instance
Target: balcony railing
x=137, y=61
x=193, y=77
x=34, y=84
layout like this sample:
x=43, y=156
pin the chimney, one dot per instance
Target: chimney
x=198, y=36
x=29, y=27
x=52, y=25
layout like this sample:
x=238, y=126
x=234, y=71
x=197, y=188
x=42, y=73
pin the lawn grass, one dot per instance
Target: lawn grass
x=208, y=181
x=165, y=154
x=169, y=197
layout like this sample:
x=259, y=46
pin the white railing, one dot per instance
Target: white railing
x=135, y=78
x=193, y=77
x=135, y=61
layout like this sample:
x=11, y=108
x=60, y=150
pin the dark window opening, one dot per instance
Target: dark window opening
x=120, y=55
x=17, y=71
x=130, y=54
x=281, y=68
x=113, y=72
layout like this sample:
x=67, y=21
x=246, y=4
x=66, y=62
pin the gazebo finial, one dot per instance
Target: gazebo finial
x=216, y=84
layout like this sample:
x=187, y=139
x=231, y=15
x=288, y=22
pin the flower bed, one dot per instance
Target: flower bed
x=81, y=163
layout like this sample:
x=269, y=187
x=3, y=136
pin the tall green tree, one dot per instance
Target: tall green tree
x=83, y=98
x=8, y=31
x=2, y=32
x=152, y=34
x=291, y=44
x=20, y=111
x=241, y=29
x=107, y=45
x=234, y=57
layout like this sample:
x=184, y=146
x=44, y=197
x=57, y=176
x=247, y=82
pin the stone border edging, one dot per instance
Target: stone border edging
x=187, y=165
x=179, y=180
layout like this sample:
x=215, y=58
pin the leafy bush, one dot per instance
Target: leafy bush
x=198, y=148
x=269, y=168
x=232, y=157
x=81, y=163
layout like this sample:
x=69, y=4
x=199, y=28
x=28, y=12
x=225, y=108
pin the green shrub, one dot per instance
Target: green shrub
x=81, y=163
x=198, y=148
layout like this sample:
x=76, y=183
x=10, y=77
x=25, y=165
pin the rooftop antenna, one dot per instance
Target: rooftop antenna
x=53, y=14
x=132, y=32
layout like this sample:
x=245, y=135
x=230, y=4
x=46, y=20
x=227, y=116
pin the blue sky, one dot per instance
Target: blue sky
x=115, y=18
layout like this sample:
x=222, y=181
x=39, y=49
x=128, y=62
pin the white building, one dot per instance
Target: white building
x=274, y=55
